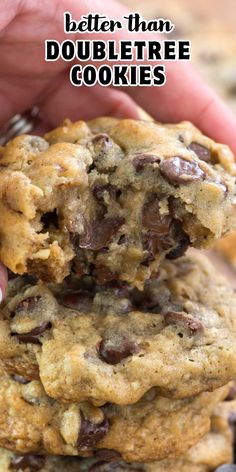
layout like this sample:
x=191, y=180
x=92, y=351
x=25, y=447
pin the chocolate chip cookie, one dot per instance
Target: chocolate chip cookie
x=213, y=450
x=113, y=343
x=111, y=198
x=31, y=422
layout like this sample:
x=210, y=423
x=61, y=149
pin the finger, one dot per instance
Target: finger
x=85, y=103
x=187, y=97
x=18, y=95
x=3, y=282
x=9, y=10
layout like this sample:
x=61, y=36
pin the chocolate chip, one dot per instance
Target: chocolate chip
x=181, y=240
x=154, y=244
x=232, y=423
x=103, y=274
x=19, y=379
x=123, y=239
x=191, y=325
x=29, y=462
x=99, y=190
x=177, y=170
x=102, y=139
x=157, y=238
x=152, y=218
x=100, y=233
x=112, y=351
x=106, y=405
x=33, y=336
x=28, y=304
x=11, y=274
x=49, y=219
x=80, y=300
x=202, y=152
x=232, y=394
x=91, y=433
x=226, y=468
x=164, y=232
x=79, y=266
x=140, y=160
x=107, y=455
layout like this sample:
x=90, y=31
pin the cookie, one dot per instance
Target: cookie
x=213, y=450
x=32, y=422
x=112, y=198
x=114, y=343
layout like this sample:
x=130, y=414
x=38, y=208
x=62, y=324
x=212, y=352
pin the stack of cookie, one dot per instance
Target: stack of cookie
x=117, y=349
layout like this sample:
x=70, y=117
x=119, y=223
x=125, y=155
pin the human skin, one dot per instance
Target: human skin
x=26, y=79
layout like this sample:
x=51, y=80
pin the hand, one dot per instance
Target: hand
x=26, y=79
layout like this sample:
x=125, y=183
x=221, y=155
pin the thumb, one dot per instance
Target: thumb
x=186, y=96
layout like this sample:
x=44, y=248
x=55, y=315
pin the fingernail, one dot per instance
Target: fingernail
x=1, y=296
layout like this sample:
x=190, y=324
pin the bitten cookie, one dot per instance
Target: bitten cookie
x=112, y=198
x=114, y=343
x=32, y=422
